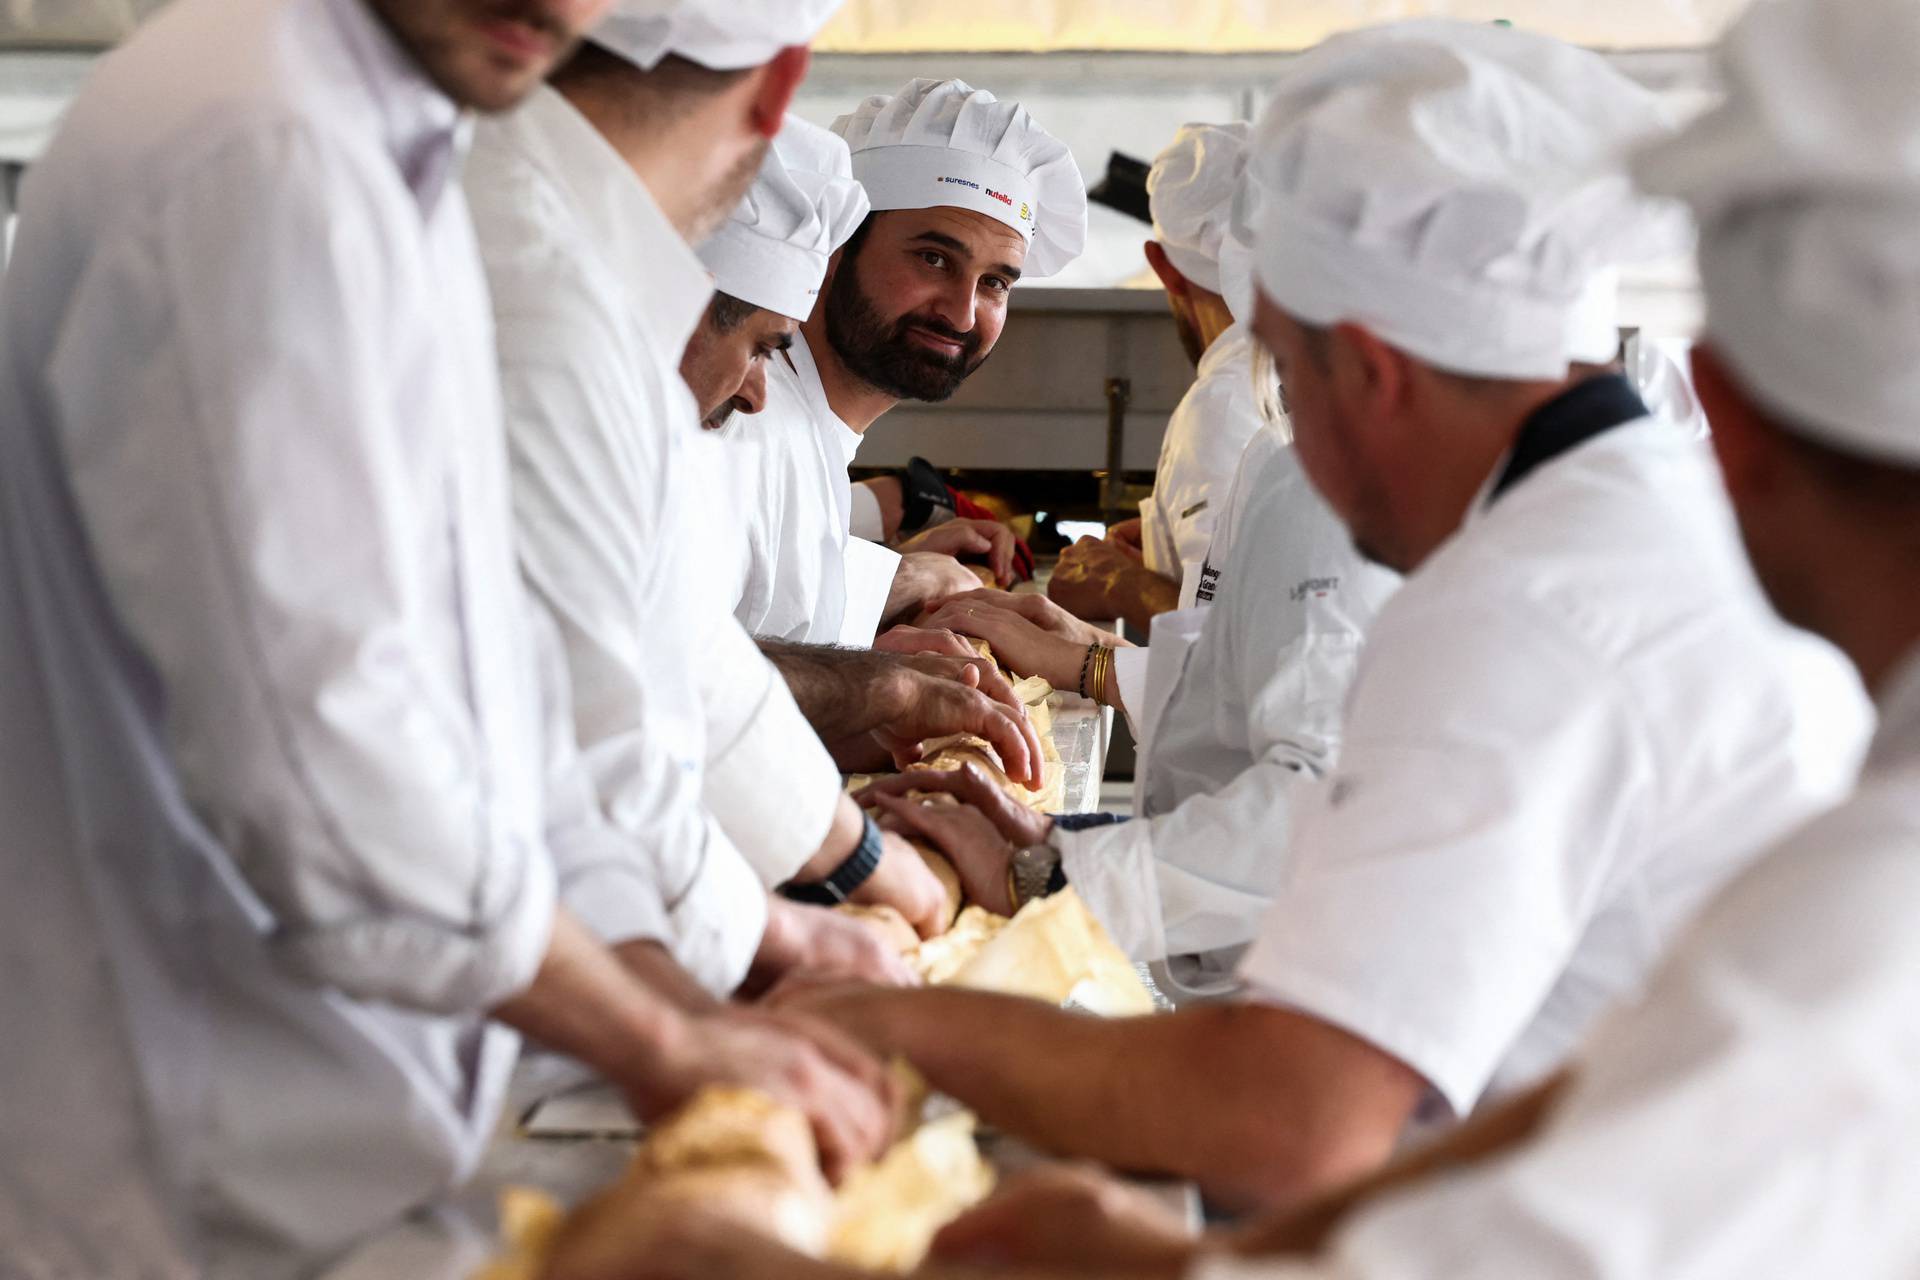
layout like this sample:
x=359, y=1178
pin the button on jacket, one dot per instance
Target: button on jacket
x=1571, y=726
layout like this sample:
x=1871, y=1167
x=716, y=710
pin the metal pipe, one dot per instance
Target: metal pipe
x=1119, y=395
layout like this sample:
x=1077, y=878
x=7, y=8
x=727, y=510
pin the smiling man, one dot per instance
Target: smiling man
x=969, y=195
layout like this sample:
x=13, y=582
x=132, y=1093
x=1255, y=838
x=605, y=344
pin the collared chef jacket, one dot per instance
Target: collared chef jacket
x=1250, y=717
x=808, y=578
x=1572, y=725
x=700, y=753
x=272, y=822
x=1754, y=1116
x=1209, y=430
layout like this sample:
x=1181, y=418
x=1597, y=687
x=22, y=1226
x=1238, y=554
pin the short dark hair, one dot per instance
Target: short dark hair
x=727, y=313
x=657, y=97
x=851, y=249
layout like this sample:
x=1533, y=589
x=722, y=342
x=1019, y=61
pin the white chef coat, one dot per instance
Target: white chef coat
x=1571, y=726
x=1206, y=435
x=1252, y=717
x=797, y=502
x=700, y=753
x=1754, y=1116
x=271, y=810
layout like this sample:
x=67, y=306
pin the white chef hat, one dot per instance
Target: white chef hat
x=1190, y=191
x=1459, y=189
x=723, y=35
x=937, y=143
x=803, y=205
x=1806, y=184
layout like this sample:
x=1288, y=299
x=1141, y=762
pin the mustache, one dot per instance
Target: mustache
x=969, y=342
x=537, y=14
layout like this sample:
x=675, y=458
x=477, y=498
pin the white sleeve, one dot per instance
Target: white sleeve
x=1491, y=776
x=594, y=488
x=257, y=534
x=1214, y=863
x=602, y=882
x=769, y=777
x=1750, y=1117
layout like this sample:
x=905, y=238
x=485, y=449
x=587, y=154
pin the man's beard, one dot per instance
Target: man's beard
x=1189, y=339
x=879, y=353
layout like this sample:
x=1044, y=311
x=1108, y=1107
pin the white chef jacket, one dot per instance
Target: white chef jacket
x=803, y=582
x=700, y=753
x=271, y=810
x=1252, y=717
x=1754, y=1116
x=1206, y=435
x=1571, y=726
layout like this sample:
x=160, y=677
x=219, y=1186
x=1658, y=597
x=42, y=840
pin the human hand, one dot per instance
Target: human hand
x=846, y=1093
x=911, y=640
x=1070, y=1216
x=1022, y=645
x=969, y=839
x=923, y=576
x=932, y=696
x=1038, y=610
x=964, y=537
x=904, y=882
x=1015, y=822
x=821, y=942
x=1127, y=537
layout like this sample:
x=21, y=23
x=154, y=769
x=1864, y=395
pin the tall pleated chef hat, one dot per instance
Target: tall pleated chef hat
x=1190, y=191
x=1460, y=190
x=804, y=204
x=940, y=143
x=721, y=35
x=1806, y=185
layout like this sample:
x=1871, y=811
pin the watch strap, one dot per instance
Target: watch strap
x=845, y=880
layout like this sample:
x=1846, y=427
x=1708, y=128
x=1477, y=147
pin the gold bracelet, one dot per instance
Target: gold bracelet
x=1102, y=668
x=1013, y=887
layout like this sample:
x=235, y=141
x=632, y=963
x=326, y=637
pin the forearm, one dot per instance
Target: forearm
x=843, y=837
x=1258, y=1105
x=1308, y=1230
x=655, y=967
x=841, y=692
x=586, y=1004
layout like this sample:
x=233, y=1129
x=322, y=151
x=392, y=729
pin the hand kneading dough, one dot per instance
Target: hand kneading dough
x=887, y=922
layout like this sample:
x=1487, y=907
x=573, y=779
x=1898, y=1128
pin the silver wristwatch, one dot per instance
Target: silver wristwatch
x=1033, y=871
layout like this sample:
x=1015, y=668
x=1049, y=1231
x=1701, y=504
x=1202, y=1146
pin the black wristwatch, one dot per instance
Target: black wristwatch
x=846, y=879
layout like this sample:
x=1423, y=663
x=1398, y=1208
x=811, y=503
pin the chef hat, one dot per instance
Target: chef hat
x=1190, y=190
x=944, y=143
x=803, y=205
x=723, y=35
x=1806, y=184
x=1460, y=190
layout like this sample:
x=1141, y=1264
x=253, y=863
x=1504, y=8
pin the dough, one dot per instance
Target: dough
x=887, y=1214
